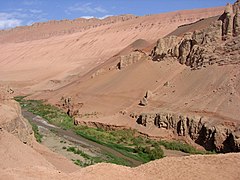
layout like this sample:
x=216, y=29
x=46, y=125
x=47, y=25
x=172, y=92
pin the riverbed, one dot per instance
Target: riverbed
x=58, y=139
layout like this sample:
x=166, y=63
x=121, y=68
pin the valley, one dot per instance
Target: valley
x=122, y=97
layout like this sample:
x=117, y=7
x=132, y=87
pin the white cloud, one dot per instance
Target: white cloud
x=19, y=17
x=90, y=17
x=87, y=8
x=9, y=23
x=87, y=17
x=9, y=20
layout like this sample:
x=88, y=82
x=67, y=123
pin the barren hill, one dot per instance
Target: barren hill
x=46, y=62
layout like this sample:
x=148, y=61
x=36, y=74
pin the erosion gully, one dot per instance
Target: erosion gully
x=74, y=138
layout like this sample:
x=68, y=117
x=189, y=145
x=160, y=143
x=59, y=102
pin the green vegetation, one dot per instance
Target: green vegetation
x=51, y=113
x=126, y=142
x=89, y=160
x=77, y=151
x=37, y=135
x=35, y=129
x=179, y=146
x=81, y=163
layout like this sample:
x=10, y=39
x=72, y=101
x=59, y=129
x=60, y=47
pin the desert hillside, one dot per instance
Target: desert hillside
x=38, y=55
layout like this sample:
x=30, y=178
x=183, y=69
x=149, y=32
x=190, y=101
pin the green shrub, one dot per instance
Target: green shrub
x=37, y=134
x=179, y=146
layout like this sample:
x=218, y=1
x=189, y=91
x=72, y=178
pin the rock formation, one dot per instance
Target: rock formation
x=71, y=108
x=144, y=101
x=236, y=24
x=218, y=137
x=236, y=6
x=164, y=48
x=134, y=57
x=98, y=72
x=11, y=119
x=202, y=47
x=227, y=20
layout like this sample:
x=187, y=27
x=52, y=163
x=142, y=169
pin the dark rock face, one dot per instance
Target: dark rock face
x=212, y=137
x=184, y=50
x=227, y=20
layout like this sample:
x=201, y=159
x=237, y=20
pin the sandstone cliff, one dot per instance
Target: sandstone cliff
x=212, y=136
x=206, y=46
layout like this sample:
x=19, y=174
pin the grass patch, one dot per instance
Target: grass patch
x=179, y=146
x=37, y=135
x=79, y=152
x=124, y=141
x=89, y=160
x=51, y=113
x=81, y=163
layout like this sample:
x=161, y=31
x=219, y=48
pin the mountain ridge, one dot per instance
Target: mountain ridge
x=63, y=27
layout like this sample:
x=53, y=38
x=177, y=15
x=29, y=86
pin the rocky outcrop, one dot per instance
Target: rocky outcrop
x=227, y=22
x=144, y=101
x=11, y=119
x=133, y=57
x=218, y=137
x=98, y=72
x=14, y=123
x=70, y=107
x=236, y=6
x=166, y=47
x=194, y=49
x=236, y=24
x=202, y=47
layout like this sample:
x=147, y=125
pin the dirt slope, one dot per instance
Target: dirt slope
x=217, y=167
x=48, y=63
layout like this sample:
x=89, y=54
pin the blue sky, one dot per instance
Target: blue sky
x=25, y=12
